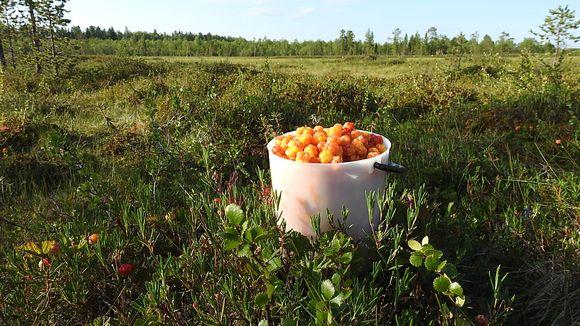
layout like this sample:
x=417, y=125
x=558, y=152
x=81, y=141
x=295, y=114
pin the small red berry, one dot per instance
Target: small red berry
x=126, y=269
x=518, y=128
x=93, y=238
x=194, y=306
x=217, y=200
x=481, y=320
x=55, y=249
x=44, y=262
x=558, y=142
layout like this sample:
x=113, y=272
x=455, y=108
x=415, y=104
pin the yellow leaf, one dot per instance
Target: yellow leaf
x=30, y=247
x=82, y=243
x=47, y=245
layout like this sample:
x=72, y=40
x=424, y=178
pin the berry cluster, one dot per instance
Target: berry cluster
x=337, y=144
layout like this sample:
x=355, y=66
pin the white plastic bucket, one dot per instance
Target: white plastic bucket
x=309, y=189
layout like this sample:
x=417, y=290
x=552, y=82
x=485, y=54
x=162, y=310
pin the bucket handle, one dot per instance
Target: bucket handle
x=390, y=167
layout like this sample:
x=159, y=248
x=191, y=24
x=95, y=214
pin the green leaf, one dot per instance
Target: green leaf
x=261, y=299
x=459, y=301
x=330, y=251
x=259, y=233
x=234, y=214
x=346, y=294
x=441, y=265
x=263, y=322
x=347, y=282
x=245, y=251
x=456, y=289
x=432, y=252
x=298, y=243
x=441, y=283
x=414, y=244
x=321, y=317
x=425, y=240
x=232, y=244
x=229, y=233
x=338, y=300
x=431, y=263
x=426, y=248
x=336, y=279
x=329, y=318
x=272, y=285
x=450, y=270
x=274, y=264
x=345, y=258
x=327, y=289
x=416, y=260
x=248, y=235
x=449, y=207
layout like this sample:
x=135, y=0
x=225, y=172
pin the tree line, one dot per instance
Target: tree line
x=35, y=36
x=98, y=41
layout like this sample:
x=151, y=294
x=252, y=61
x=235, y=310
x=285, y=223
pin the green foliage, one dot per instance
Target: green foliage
x=152, y=158
x=95, y=40
x=442, y=282
x=557, y=29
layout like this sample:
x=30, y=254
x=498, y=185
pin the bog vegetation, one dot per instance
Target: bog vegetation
x=136, y=191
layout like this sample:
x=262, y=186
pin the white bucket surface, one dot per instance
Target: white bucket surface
x=308, y=189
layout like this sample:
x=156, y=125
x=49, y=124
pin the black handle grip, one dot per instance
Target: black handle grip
x=390, y=167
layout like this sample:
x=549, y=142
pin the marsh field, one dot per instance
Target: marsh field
x=147, y=153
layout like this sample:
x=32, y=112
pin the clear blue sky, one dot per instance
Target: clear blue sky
x=316, y=19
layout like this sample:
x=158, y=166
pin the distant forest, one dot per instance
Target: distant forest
x=35, y=35
x=101, y=41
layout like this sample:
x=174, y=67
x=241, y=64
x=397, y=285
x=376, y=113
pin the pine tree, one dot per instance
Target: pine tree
x=52, y=12
x=2, y=57
x=431, y=40
x=32, y=7
x=505, y=42
x=558, y=28
x=369, y=42
x=487, y=44
x=397, y=41
x=350, y=42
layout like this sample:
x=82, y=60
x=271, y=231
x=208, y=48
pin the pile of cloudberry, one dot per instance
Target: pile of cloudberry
x=337, y=144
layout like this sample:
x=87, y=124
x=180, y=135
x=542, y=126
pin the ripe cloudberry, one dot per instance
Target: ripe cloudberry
x=93, y=238
x=336, y=144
